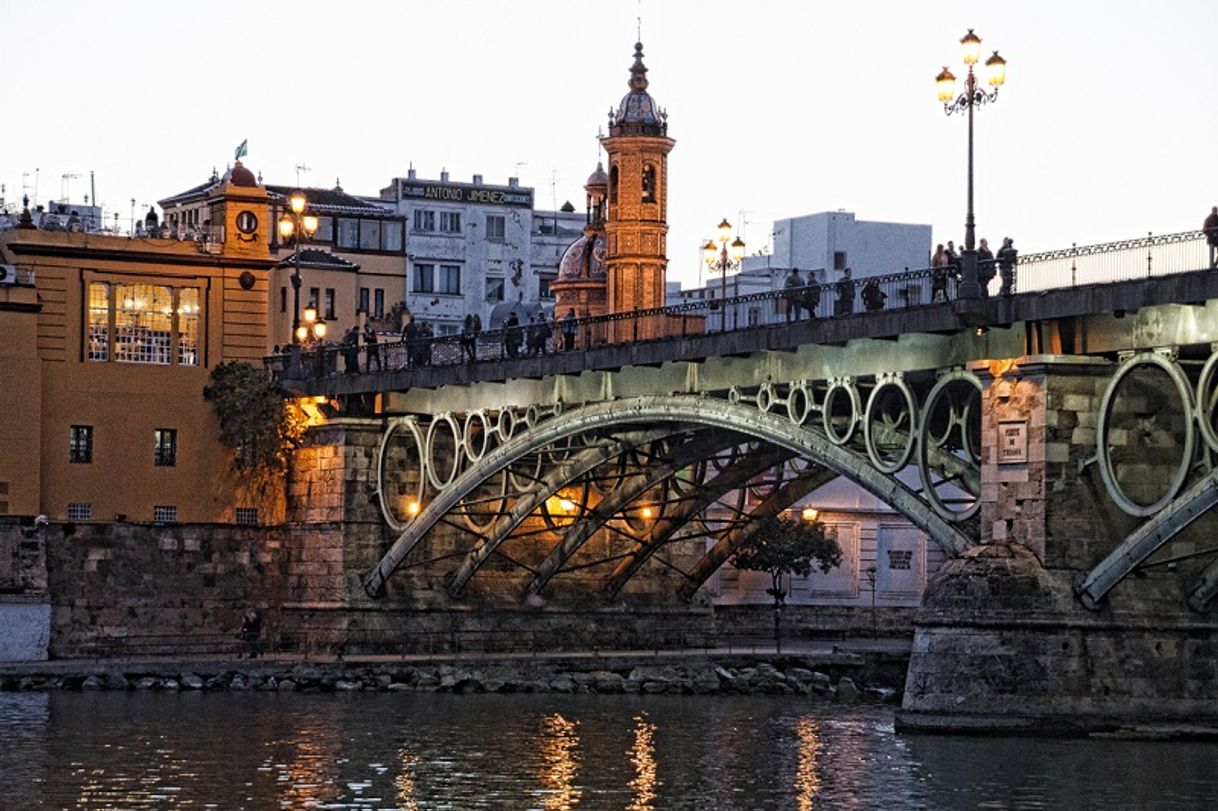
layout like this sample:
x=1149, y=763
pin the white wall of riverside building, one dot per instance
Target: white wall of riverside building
x=811, y=242
x=551, y=235
x=480, y=259
x=870, y=534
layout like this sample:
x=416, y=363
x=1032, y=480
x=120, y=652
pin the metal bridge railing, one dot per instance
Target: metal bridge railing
x=1091, y=264
x=1119, y=261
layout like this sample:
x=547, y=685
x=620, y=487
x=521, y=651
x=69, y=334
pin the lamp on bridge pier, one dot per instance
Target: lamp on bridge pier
x=973, y=96
x=299, y=223
x=719, y=259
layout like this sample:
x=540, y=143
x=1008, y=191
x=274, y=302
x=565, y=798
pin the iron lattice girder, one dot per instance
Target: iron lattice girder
x=782, y=498
x=733, y=478
x=558, y=476
x=580, y=531
x=490, y=465
x=1147, y=539
x=687, y=411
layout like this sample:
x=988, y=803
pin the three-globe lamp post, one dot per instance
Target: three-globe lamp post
x=973, y=96
x=298, y=221
x=719, y=259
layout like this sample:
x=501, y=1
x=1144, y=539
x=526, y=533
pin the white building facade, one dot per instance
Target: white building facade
x=468, y=246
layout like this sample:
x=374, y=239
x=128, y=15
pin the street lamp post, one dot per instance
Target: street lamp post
x=299, y=221
x=719, y=259
x=973, y=96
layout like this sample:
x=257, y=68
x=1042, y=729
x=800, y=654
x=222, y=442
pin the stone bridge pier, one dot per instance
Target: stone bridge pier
x=1085, y=606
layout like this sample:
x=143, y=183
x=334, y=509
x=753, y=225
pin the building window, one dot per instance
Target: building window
x=165, y=452
x=450, y=280
x=391, y=236
x=247, y=516
x=79, y=511
x=348, y=233
x=139, y=323
x=363, y=300
x=424, y=220
x=494, y=289
x=754, y=316
x=839, y=260
x=370, y=235
x=424, y=278
x=329, y=308
x=314, y=296
x=99, y=321
x=543, y=285
x=325, y=230
x=649, y=184
x=164, y=514
x=450, y=222
x=80, y=445
x=378, y=305
x=494, y=228
x=283, y=299
x=613, y=183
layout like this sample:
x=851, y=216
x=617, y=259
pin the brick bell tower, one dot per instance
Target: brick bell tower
x=636, y=223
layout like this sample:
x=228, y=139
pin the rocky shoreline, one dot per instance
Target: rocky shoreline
x=702, y=678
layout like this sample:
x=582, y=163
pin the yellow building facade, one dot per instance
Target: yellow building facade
x=106, y=344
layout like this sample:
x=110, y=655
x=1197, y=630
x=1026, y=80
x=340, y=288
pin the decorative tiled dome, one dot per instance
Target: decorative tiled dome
x=638, y=113
x=598, y=178
x=583, y=259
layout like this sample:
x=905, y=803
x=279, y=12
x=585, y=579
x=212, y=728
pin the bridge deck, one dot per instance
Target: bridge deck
x=1118, y=297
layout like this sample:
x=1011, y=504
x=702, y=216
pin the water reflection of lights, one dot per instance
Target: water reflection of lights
x=310, y=778
x=643, y=755
x=404, y=782
x=560, y=762
x=807, y=781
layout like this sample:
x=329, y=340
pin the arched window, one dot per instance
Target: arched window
x=613, y=184
x=649, y=184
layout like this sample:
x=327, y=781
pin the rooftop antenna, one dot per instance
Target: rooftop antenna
x=518, y=165
x=66, y=187
x=744, y=223
x=300, y=167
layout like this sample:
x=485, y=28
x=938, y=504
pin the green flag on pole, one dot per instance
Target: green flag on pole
x=242, y=150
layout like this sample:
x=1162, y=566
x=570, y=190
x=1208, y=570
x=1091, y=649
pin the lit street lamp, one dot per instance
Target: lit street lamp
x=718, y=259
x=973, y=96
x=297, y=220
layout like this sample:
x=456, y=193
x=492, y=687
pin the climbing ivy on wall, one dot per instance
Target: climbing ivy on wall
x=256, y=421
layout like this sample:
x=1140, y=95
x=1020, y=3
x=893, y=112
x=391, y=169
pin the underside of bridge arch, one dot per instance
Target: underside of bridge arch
x=616, y=426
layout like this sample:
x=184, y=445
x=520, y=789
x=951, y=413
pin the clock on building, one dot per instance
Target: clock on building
x=247, y=222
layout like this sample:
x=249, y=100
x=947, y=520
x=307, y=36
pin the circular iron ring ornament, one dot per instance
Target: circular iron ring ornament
x=799, y=403
x=1184, y=391
x=1205, y=410
x=484, y=433
x=455, y=467
x=412, y=425
x=911, y=408
x=926, y=442
x=840, y=386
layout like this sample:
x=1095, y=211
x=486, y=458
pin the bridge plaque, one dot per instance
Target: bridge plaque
x=1012, y=442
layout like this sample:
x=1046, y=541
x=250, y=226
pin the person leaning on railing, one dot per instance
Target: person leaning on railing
x=985, y=267
x=1210, y=226
x=1007, y=256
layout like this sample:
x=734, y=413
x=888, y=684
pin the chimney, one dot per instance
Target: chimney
x=443, y=175
x=513, y=182
x=477, y=180
x=411, y=175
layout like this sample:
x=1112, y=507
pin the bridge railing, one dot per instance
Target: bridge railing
x=908, y=289
x=1124, y=260
x=1077, y=265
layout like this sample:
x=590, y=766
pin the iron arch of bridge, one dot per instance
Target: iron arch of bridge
x=692, y=411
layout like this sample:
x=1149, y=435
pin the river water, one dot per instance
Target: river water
x=437, y=751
